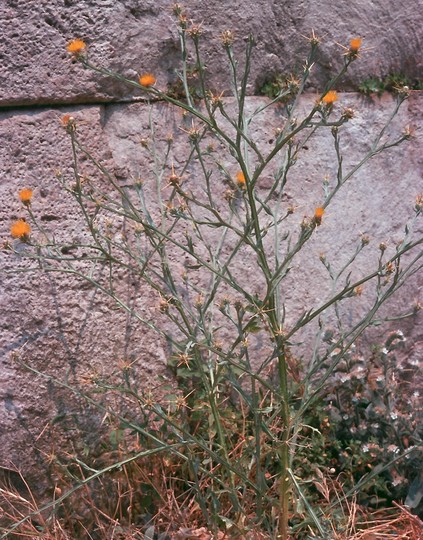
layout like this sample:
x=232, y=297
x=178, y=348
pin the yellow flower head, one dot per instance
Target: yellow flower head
x=355, y=45
x=147, y=79
x=76, y=46
x=330, y=97
x=25, y=196
x=66, y=119
x=240, y=179
x=20, y=229
x=318, y=214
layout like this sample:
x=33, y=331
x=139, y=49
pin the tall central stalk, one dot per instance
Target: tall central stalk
x=283, y=449
x=284, y=484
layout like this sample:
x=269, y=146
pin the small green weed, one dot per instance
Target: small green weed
x=389, y=83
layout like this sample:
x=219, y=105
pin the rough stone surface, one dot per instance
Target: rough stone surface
x=132, y=36
x=60, y=325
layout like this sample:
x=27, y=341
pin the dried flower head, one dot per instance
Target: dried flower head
x=183, y=21
x=176, y=9
x=313, y=39
x=139, y=228
x=20, y=229
x=68, y=122
x=76, y=46
x=147, y=79
x=164, y=305
x=293, y=83
x=25, y=196
x=365, y=239
x=358, y=291
x=419, y=203
x=318, y=215
x=183, y=360
x=229, y=195
x=348, y=113
x=389, y=268
x=194, y=133
x=174, y=179
x=240, y=179
x=199, y=301
x=330, y=97
x=305, y=224
x=408, y=132
x=227, y=38
x=402, y=91
x=215, y=99
x=195, y=31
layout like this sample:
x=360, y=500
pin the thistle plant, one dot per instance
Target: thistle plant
x=185, y=239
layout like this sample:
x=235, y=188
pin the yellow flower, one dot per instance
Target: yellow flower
x=330, y=97
x=355, y=45
x=66, y=119
x=147, y=79
x=240, y=179
x=318, y=214
x=76, y=46
x=20, y=229
x=25, y=196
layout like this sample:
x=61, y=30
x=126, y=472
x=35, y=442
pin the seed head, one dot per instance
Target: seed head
x=194, y=133
x=389, y=268
x=69, y=123
x=199, y=302
x=177, y=9
x=174, y=179
x=183, y=21
x=227, y=38
x=305, y=224
x=229, y=195
x=313, y=39
x=365, y=240
x=358, y=290
x=183, y=360
x=348, y=113
x=408, y=132
x=164, y=305
x=195, y=31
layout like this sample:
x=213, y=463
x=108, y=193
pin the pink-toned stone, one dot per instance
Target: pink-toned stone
x=60, y=326
x=131, y=36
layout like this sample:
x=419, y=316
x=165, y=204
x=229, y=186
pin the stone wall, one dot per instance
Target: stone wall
x=62, y=326
x=130, y=36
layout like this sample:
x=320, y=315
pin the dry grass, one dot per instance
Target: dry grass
x=385, y=524
x=114, y=507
